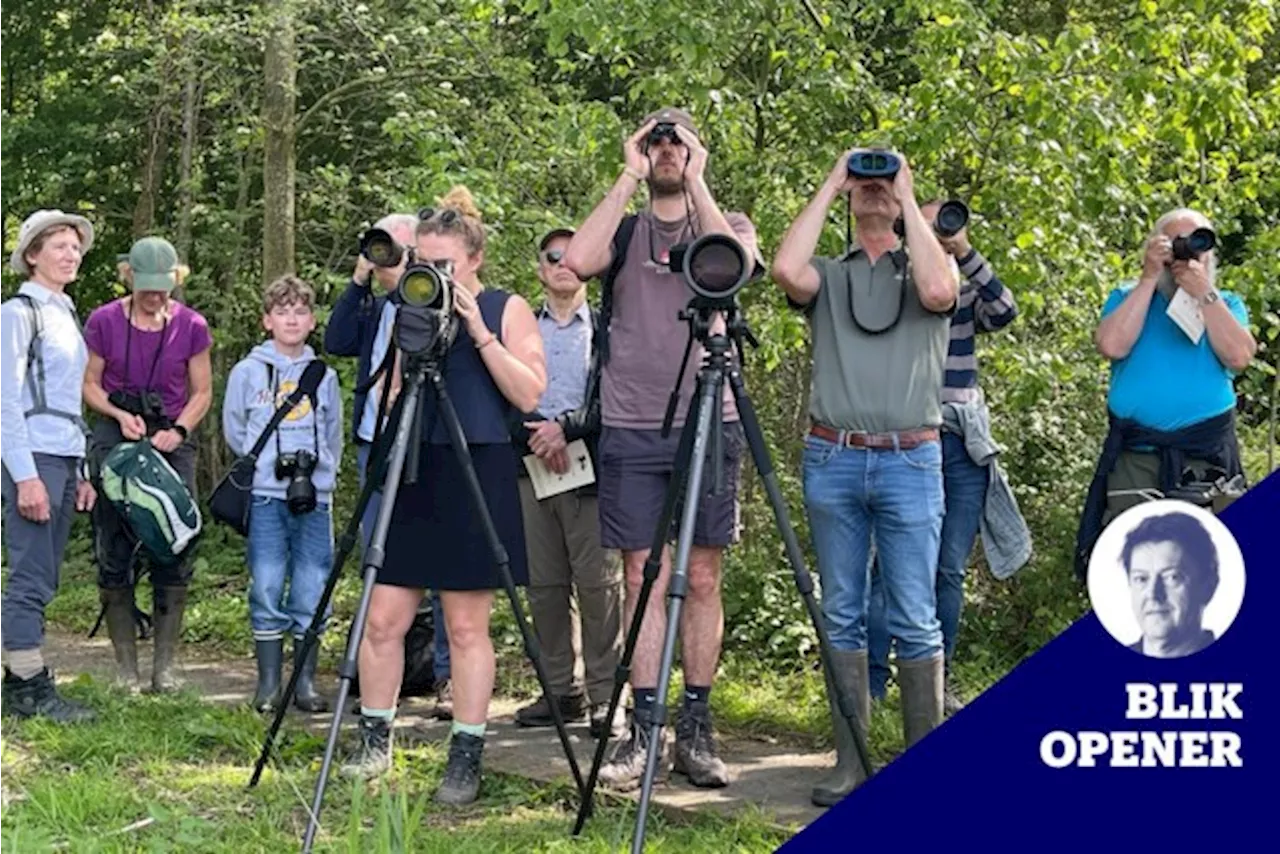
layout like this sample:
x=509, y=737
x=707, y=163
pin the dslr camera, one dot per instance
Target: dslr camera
x=148, y=404
x=1193, y=245
x=297, y=468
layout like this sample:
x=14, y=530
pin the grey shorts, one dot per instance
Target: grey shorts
x=635, y=472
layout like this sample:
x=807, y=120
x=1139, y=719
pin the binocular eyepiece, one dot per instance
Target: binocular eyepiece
x=875, y=163
x=380, y=248
x=1195, y=244
x=952, y=216
x=659, y=132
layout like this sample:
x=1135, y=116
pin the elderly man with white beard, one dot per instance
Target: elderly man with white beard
x=1176, y=344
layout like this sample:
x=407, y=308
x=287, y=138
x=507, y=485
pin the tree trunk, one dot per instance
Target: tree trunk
x=186, y=187
x=144, y=210
x=279, y=156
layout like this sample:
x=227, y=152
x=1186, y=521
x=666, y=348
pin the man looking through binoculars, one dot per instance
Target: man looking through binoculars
x=880, y=317
x=642, y=346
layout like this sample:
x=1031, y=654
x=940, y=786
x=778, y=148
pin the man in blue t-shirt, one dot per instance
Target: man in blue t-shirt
x=1176, y=344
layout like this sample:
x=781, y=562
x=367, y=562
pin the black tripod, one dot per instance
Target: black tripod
x=405, y=447
x=702, y=430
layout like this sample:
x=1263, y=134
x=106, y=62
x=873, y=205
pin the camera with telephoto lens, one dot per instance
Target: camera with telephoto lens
x=380, y=248
x=875, y=163
x=1193, y=245
x=297, y=468
x=426, y=321
x=148, y=404
x=952, y=217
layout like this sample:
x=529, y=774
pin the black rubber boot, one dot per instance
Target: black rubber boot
x=270, y=654
x=170, y=604
x=123, y=630
x=305, y=697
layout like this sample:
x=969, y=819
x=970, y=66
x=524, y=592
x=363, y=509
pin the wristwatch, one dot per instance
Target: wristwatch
x=181, y=431
x=1211, y=297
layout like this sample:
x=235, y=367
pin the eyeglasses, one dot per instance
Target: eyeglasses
x=554, y=257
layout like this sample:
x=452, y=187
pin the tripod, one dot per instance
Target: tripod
x=701, y=431
x=406, y=447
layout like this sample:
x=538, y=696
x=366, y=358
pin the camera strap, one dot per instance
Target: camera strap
x=128, y=345
x=315, y=414
x=876, y=313
x=285, y=407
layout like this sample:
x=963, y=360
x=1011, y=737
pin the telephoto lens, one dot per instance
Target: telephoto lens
x=1195, y=244
x=714, y=266
x=380, y=248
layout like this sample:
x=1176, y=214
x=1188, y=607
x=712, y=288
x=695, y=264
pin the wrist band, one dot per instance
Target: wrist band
x=632, y=173
x=487, y=341
x=181, y=431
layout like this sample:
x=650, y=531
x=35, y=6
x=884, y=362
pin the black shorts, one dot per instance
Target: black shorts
x=635, y=472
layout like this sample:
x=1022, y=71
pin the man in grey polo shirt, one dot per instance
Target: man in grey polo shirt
x=880, y=317
x=563, y=531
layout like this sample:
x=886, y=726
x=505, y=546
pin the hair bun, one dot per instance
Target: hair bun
x=460, y=199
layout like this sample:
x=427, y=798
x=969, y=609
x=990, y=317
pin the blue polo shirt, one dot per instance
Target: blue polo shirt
x=1166, y=382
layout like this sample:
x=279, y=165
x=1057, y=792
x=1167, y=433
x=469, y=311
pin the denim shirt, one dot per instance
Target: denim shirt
x=1006, y=540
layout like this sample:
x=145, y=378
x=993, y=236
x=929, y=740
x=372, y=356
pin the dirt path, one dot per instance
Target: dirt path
x=775, y=779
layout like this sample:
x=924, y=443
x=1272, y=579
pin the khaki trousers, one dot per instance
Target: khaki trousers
x=580, y=636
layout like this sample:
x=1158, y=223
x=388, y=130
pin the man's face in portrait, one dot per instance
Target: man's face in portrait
x=1165, y=592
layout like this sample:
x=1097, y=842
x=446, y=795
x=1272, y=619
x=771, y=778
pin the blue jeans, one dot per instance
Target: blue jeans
x=285, y=549
x=853, y=495
x=441, y=667
x=965, y=486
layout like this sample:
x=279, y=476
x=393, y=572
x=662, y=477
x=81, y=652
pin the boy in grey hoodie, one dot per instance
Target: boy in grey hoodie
x=284, y=547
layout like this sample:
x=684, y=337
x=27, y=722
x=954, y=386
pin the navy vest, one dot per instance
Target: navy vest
x=482, y=409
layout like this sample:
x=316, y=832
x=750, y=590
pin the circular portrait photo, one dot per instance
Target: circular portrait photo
x=1166, y=579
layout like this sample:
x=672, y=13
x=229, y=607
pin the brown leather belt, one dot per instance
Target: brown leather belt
x=905, y=439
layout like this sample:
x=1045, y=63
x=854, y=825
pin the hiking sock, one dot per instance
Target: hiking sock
x=645, y=700
x=696, y=694
x=25, y=663
x=387, y=715
x=476, y=730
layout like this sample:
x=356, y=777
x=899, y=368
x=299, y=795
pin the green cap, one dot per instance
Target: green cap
x=154, y=262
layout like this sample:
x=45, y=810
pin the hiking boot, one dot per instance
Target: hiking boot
x=696, y=748
x=851, y=680
x=38, y=697
x=461, y=782
x=599, y=713
x=170, y=603
x=538, y=713
x=373, y=756
x=270, y=655
x=444, y=699
x=625, y=770
x=305, y=696
x=118, y=605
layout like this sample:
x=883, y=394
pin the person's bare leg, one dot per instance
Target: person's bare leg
x=466, y=617
x=391, y=613
x=648, y=651
x=702, y=621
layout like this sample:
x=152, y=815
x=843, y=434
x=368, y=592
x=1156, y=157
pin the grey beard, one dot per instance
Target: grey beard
x=1165, y=283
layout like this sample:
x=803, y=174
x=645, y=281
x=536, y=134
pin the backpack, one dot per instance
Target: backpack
x=419, y=655
x=35, y=368
x=621, y=243
x=152, y=499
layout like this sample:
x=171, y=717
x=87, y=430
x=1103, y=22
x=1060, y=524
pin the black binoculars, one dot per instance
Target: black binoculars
x=380, y=248
x=875, y=163
x=147, y=404
x=659, y=132
x=953, y=215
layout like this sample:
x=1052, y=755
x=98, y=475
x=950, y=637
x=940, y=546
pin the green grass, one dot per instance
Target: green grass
x=183, y=765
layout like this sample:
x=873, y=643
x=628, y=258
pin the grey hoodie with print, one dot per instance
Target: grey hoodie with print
x=257, y=385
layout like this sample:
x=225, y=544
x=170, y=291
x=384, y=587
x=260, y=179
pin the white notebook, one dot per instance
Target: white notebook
x=547, y=483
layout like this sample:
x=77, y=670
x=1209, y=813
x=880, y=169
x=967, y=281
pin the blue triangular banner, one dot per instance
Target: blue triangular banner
x=979, y=779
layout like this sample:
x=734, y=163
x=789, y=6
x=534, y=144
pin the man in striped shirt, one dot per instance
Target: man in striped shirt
x=985, y=305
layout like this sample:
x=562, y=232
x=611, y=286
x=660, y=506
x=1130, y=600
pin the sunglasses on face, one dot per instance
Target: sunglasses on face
x=554, y=257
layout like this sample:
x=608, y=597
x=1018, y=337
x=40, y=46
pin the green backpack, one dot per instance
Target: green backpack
x=152, y=499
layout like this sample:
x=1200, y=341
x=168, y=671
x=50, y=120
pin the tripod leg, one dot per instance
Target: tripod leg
x=804, y=581
x=678, y=588
x=652, y=567
x=373, y=563
x=459, y=441
x=345, y=545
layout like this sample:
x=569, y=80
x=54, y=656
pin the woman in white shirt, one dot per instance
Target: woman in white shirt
x=42, y=443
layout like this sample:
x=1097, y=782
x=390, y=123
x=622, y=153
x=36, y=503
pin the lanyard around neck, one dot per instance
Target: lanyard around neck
x=128, y=345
